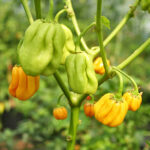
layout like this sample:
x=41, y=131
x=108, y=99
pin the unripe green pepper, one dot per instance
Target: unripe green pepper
x=80, y=72
x=41, y=49
x=69, y=46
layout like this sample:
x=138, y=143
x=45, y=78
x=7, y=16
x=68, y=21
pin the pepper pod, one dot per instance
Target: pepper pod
x=89, y=109
x=81, y=76
x=23, y=86
x=134, y=100
x=110, y=111
x=98, y=65
x=60, y=113
x=41, y=49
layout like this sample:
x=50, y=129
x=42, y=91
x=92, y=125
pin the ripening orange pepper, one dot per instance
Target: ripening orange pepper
x=60, y=113
x=134, y=101
x=23, y=86
x=89, y=109
x=110, y=111
x=98, y=65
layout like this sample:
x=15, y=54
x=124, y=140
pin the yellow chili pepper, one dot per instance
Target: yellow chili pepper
x=23, y=86
x=110, y=111
x=134, y=101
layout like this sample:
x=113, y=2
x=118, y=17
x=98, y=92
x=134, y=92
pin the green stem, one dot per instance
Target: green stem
x=134, y=54
x=37, y=4
x=84, y=31
x=129, y=59
x=59, y=14
x=129, y=15
x=73, y=127
x=51, y=7
x=59, y=99
x=121, y=24
x=62, y=86
x=27, y=10
x=100, y=35
x=75, y=23
x=129, y=77
x=119, y=94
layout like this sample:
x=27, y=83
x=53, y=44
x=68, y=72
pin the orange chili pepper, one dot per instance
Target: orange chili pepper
x=60, y=113
x=23, y=86
x=134, y=101
x=89, y=109
x=98, y=65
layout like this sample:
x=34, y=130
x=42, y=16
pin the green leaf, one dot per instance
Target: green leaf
x=105, y=22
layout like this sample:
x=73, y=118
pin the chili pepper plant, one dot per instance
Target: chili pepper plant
x=48, y=43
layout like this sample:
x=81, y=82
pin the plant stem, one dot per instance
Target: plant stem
x=134, y=54
x=100, y=35
x=129, y=77
x=75, y=23
x=129, y=15
x=74, y=120
x=37, y=4
x=119, y=94
x=62, y=86
x=59, y=14
x=51, y=7
x=27, y=10
x=84, y=31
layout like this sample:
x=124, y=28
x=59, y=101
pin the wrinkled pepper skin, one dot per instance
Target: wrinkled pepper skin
x=41, y=49
x=98, y=65
x=23, y=86
x=69, y=46
x=89, y=109
x=134, y=101
x=80, y=72
x=109, y=111
x=60, y=113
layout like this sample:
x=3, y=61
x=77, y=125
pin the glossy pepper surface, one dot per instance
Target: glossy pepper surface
x=89, y=109
x=134, y=101
x=41, y=49
x=23, y=86
x=98, y=65
x=60, y=113
x=109, y=111
x=80, y=72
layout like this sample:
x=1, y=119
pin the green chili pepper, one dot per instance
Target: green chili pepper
x=80, y=72
x=41, y=49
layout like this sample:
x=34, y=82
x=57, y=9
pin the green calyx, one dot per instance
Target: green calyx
x=41, y=49
x=80, y=72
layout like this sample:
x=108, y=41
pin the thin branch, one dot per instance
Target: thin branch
x=62, y=86
x=59, y=14
x=128, y=16
x=27, y=11
x=37, y=4
x=75, y=23
x=100, y=35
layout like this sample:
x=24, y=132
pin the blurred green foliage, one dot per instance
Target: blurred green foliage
x=30, y=124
